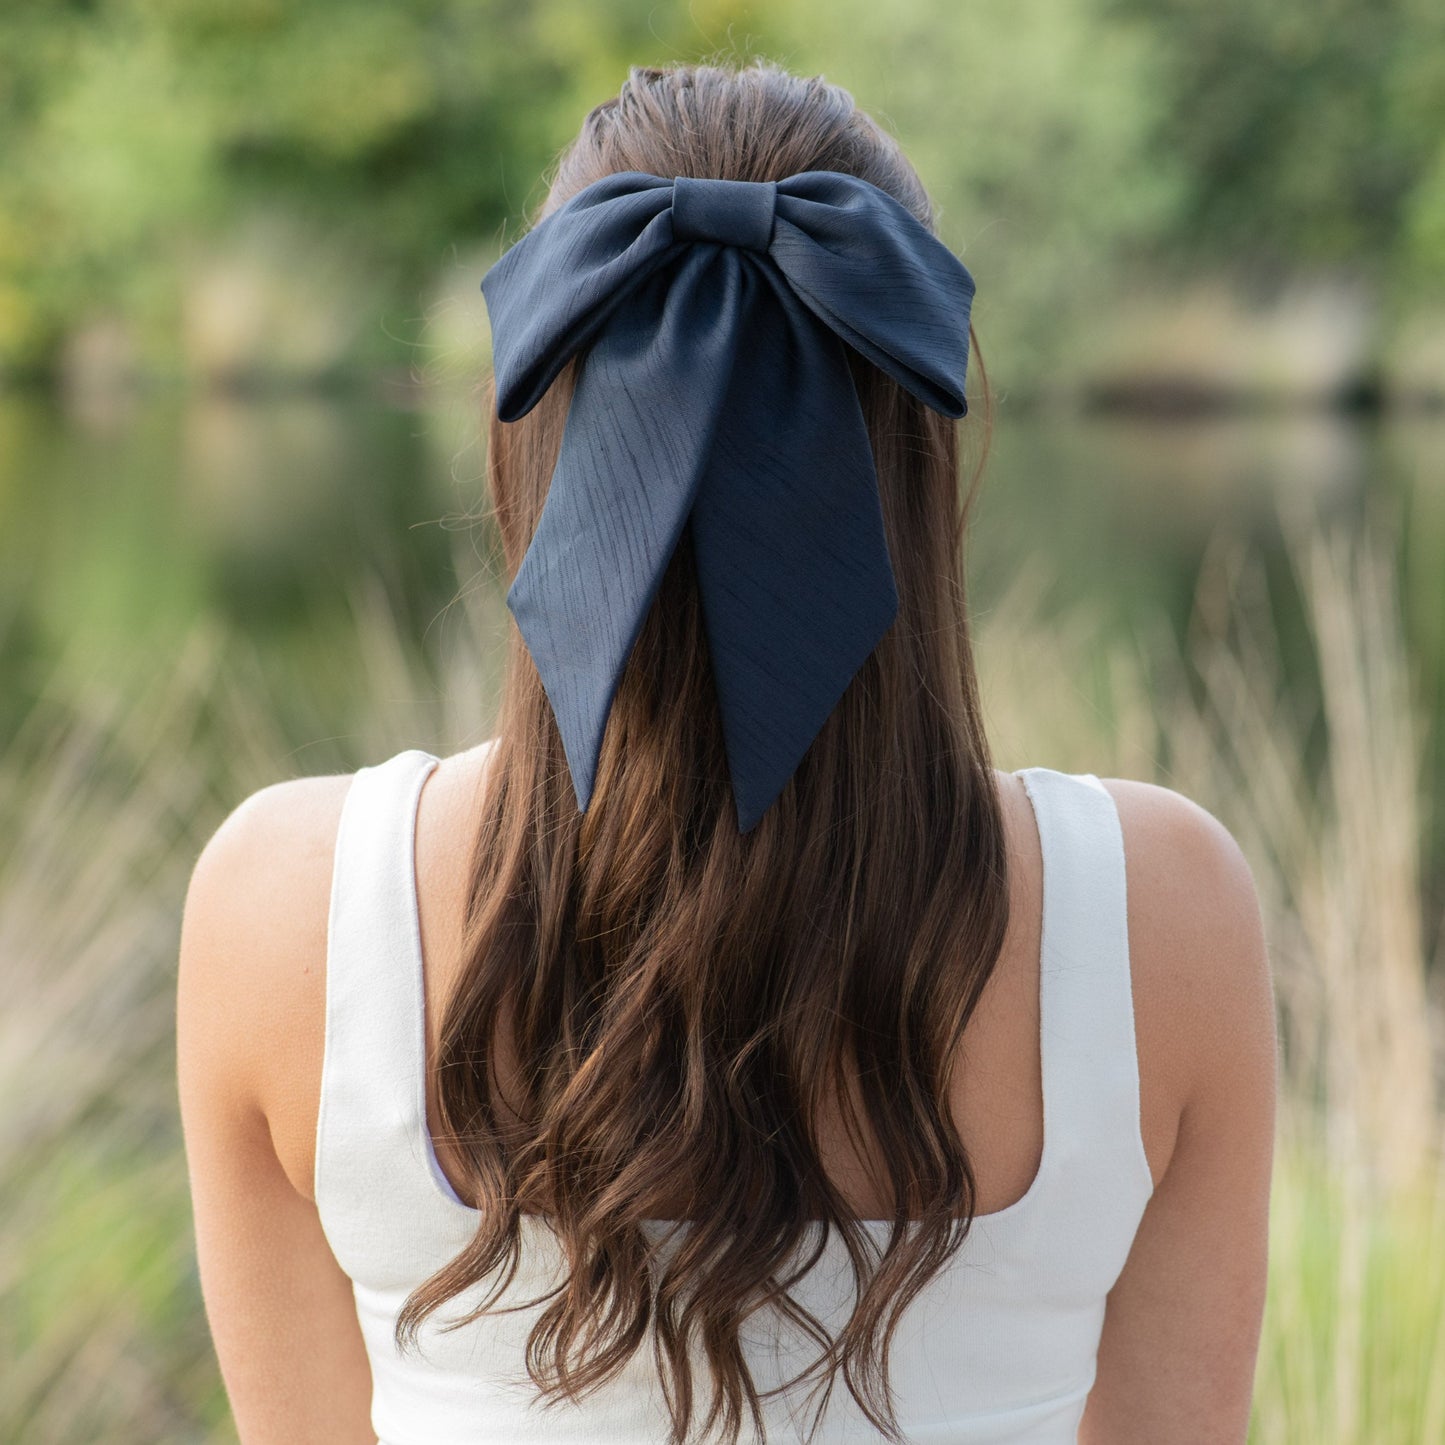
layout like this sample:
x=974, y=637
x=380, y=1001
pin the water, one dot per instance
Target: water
x=122, y=521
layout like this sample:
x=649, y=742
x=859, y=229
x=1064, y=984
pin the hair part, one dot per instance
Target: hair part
x=674, y=1016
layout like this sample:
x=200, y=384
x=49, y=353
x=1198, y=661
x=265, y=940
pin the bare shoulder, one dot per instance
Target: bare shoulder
x=1193, y=904
x=269, y=861
x=1175, y=840
x=1202, y=986
x=251, y=988
x=1181, y=1332
x=253, y=935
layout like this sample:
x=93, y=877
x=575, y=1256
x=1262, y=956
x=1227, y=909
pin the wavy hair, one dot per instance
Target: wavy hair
x=685, y=1012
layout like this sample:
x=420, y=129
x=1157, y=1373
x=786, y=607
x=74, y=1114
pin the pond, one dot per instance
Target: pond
x=124, y=518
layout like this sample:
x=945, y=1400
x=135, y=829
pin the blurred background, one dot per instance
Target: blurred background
x=243, y=537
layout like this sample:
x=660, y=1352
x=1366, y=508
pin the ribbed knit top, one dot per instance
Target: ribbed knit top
x=998, y=1349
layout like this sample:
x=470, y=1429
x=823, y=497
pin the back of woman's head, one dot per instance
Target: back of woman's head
x=662, y=1018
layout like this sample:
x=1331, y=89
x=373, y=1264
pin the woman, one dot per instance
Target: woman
x=710, y=1050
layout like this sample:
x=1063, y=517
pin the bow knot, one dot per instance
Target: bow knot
x=715, y=394
x=732, y=213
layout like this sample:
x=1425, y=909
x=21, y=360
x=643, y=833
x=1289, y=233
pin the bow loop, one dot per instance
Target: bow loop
x=732, y=213
x=715, y=391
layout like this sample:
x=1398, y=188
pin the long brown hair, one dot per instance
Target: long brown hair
x=684, y=1006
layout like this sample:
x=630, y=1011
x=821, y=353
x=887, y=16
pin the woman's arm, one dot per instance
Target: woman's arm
x=1181, y=1333
x=280, y=1308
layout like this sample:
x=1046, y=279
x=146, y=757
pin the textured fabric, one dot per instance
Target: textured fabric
x=998, y=1349
x=661, y=285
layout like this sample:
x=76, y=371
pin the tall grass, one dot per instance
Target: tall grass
x=106, y=799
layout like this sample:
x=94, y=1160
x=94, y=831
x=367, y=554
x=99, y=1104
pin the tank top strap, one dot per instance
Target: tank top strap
x=1089, y=1055
x=372, y=1147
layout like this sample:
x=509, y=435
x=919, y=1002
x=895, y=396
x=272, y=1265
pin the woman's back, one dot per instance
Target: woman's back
x=998, y=1103
x=1001, y=1346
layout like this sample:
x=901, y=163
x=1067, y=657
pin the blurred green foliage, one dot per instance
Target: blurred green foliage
x=1067, y=141
x=1309, y=132
x=137, y=130
x=1030, y=122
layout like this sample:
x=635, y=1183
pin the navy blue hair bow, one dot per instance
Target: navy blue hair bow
x=714, y=391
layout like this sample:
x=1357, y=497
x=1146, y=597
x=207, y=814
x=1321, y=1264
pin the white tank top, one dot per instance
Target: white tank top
x=1000, y=1347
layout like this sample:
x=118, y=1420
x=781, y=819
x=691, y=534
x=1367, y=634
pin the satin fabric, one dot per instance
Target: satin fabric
x=711, y=318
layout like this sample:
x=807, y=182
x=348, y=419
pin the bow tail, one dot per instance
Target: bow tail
x=793, y=566
x=639, y=430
